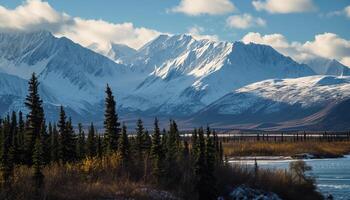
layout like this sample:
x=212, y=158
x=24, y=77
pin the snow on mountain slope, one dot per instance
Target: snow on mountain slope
x=186, y=74
x=324, y=66
x=277, y=100
x=120, y=51
x=73, y=72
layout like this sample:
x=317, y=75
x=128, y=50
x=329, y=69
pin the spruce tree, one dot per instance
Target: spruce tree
x=91, y=142
x=80, y=142
x=38, y=162
x=21, y=126
x=6, y=164
x=14, y=154
x=66, y=139
x=124, y=148
x=201, y=168
x=111, y=123
x=210, y=165
x=35, y=117
x=139, y=140
x=54, y=145
x=156, y=152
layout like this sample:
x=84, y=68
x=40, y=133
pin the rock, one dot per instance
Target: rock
x=247, y=193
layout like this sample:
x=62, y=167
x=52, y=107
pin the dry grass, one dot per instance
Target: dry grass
x=90, y=179
x=269, y=148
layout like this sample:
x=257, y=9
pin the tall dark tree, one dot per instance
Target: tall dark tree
x=124, y=147
x=91, y=142
x=111, y=123
x=80, y=142
x=35, y=117
x=14, y=154
x=201, y=168
x=38, y=162
x=66, y=138
x=156, y=152
x=54, y=145
x=21, y=126
x=6, y=164
x=210, y=165
x=139, y=139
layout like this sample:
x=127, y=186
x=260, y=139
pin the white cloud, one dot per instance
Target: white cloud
x=347, y=11
x=284, y=6
x=327, y=45
x=200, y=7
x=197, y=33
x=344, y=12
x=38, y=15
x=244, y=21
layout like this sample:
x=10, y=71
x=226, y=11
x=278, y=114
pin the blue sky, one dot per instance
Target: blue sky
x=153, y=14
x=230, y=20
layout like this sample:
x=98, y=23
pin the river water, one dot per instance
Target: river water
x=332, y=175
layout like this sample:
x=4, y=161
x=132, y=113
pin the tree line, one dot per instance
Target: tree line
x=156, y=157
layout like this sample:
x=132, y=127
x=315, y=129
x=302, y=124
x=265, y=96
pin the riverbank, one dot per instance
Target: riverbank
x=315, y=149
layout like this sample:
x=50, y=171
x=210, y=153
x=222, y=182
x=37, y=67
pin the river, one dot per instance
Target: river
x=332, y=175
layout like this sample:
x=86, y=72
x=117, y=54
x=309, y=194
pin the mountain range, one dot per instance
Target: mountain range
x=198, y=82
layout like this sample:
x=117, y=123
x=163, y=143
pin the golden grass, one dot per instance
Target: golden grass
x=269, y=148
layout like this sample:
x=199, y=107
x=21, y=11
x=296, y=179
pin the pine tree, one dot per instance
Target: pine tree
x=66, y=139
x=200, y=167
x=38, y=161
x=99, y=148
x=156, y=152
x=172, y=154
x=21, y=126
x=124, y=148
x=6, y=164
x=14, y=154
x=35, y=117
x=210, y=166
x=139, y=138
x=54, y=145
x=91, y=142
x=80, y=142
x=45, y=142
x=111, y=122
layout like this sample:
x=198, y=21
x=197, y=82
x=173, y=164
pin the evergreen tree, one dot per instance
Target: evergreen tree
x=35, y=117
x=6, y=164
x=123, y=147
x=54, y=145
x=66, y=138
x=14, y=154
x=91, y=142
x=80, y=142
x=111, y=122
x=21, y=126
x=210, y=166
x=139, y=138
x=38, y=161
x=99, y=148
x=201, y=168
x=156, y=152
x=45, y=142
x=172, y=154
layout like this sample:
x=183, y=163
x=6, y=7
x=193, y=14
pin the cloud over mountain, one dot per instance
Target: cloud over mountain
x=35, y=15
x=200, y=7
x=327, y=45
x=285, y=6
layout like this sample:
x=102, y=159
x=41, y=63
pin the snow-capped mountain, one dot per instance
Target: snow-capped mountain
x=186, y=74
x=171, y=76
x=267, y=103
x=325, y=66
x=75, y=75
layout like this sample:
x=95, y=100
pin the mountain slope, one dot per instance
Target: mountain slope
x=267, y=103
x=186, y=74
x=324, y=66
